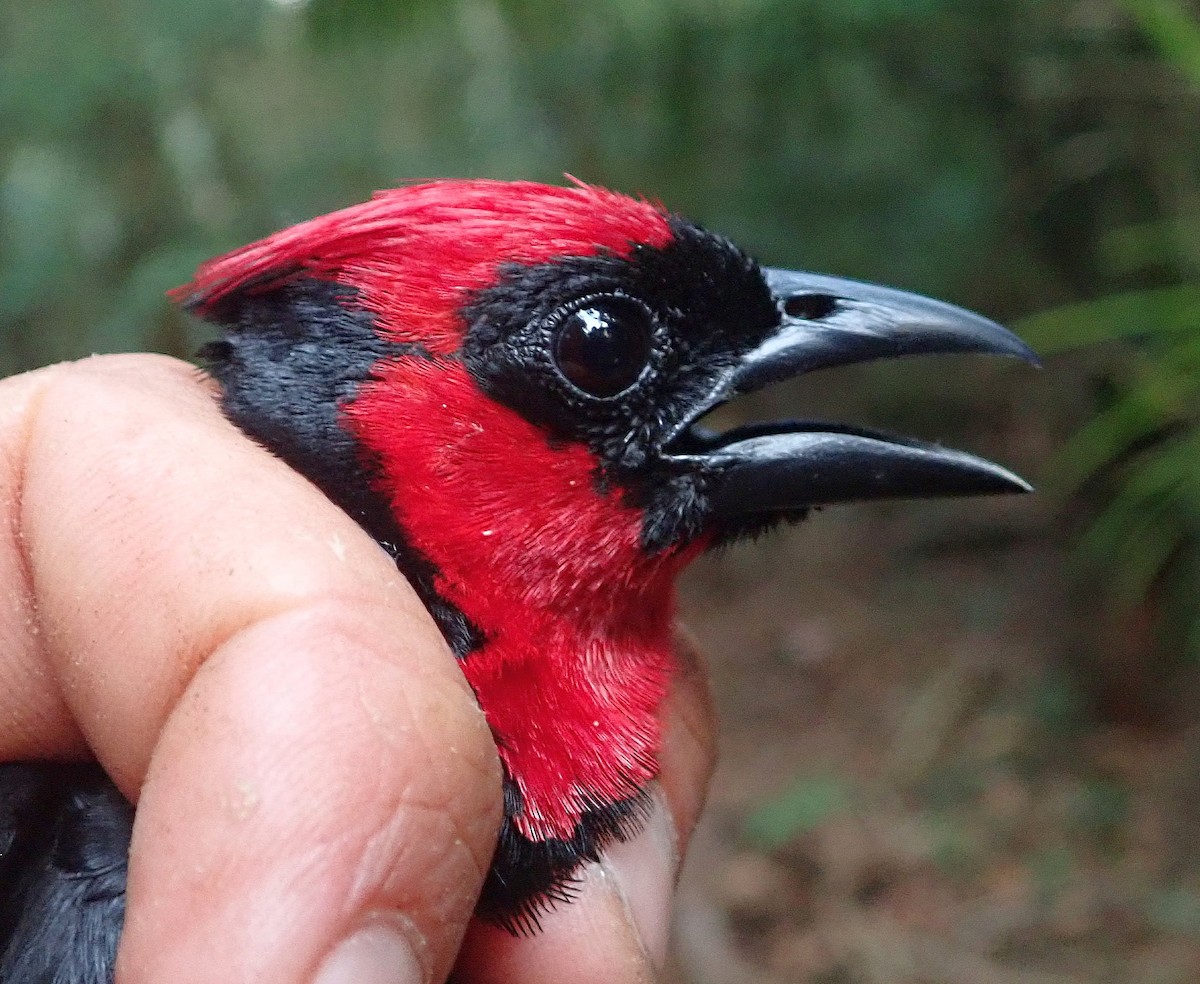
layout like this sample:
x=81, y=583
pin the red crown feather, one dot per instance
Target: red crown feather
x=412, y=252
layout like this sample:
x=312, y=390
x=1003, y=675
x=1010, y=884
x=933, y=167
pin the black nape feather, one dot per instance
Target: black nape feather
x=290, y=360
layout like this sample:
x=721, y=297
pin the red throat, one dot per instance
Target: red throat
x=576, y=615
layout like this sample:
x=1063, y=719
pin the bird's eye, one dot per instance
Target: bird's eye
x=603, y=345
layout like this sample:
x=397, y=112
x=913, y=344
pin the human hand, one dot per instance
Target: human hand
x=318, y=793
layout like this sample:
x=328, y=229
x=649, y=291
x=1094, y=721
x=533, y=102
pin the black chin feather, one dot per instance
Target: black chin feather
x=755, y=525
x=528, y=878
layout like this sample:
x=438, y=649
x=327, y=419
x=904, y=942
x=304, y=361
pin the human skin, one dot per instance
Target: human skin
x=318, y=792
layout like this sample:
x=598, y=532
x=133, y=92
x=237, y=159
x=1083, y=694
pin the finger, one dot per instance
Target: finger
x=34, y=715
x=152, y=532
x=311, y=764
x=689, y=752
x=617, y=930
x=318, y=780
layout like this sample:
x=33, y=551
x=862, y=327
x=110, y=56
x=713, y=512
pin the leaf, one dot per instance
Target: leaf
x=1172, y=242
x=1128, y=316
x=1103, y=439
x=1142, y=555
x=1154, y=512
x=1173, y=29
x=1163, y=392
x=804, y=806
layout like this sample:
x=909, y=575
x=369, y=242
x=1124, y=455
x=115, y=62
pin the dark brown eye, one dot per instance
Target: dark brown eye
x=603, y=345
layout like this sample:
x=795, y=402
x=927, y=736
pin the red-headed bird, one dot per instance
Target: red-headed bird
x=503, y=383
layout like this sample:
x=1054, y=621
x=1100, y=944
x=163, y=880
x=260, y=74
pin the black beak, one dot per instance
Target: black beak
x=825, y=322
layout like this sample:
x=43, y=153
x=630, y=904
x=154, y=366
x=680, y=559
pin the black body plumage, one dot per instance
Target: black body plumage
x=64, y=841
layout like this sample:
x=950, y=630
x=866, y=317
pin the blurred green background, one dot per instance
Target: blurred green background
x=1039, y=161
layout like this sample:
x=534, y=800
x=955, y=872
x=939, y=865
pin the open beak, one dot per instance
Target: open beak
x=825, y=322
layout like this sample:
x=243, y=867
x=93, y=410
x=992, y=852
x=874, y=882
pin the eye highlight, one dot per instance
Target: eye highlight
x=603, y=345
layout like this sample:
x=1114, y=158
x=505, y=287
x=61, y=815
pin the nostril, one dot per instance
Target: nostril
x=810, y=307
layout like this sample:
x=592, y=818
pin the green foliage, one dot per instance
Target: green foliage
x=806, y=804
x=1174, y=28
x=851, y=137
x=1142, y=449
x=948, y=147
x=341, y=21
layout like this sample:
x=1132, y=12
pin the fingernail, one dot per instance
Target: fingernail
x=644, y=871
x=379, y=953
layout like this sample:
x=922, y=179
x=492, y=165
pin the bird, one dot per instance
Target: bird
x=505, y=385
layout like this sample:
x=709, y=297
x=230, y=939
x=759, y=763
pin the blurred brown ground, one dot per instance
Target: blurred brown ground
x=989, y=780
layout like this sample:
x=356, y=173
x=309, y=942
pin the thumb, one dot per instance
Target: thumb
x=318, y=792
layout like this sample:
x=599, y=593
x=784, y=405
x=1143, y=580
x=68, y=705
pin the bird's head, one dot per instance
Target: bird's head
x=504, y=383
x=551, y=346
